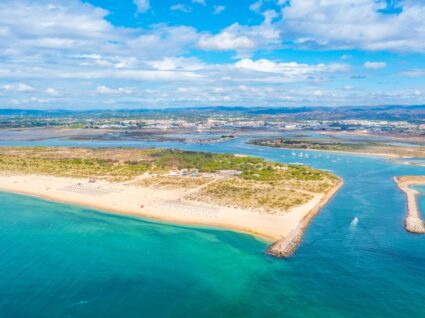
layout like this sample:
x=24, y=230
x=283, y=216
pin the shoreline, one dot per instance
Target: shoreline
x=147, y=217
x=169, y=206
x=408, y=163
x=359, y=154
x=401, y=137
x=413, y=222
x=289, y=244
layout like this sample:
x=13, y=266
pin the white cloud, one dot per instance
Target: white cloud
x=136, y=75
x=219, y=9
x=292, y=68
x=359, y=24
x=19, y=88
x=162, y=40
x=201, y=2
x=106, y=62
x=414, y=73
x=142, y=5
x=72, y=28
x=256, y=6
x=104, y=90
x=52, y=92
x=176, y=63
x=53, y=25
x=374, y=65
x=181, y=7
x=127, y=62
x=73, y=46
x=243, y=38
x=225, y=41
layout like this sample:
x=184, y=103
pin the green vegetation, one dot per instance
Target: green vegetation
x=252, y=182
x=329, y=144
x=316, y=144
x=268, y=197
x=71, y=167
x=204, y=162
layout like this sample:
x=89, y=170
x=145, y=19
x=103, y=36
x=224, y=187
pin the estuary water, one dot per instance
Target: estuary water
x=356, y=259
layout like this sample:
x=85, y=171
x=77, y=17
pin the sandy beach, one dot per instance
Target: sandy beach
x=166, y=205
x=352, y=153
x=399, y=137
x=413, y=222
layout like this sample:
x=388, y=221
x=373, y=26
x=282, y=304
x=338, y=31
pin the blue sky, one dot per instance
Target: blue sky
x=80, y=54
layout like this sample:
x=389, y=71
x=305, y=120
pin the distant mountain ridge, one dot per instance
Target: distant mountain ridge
x=388, y=112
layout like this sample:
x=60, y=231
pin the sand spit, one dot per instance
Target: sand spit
x=413, y=222
x=171, y=205
x=288, y=245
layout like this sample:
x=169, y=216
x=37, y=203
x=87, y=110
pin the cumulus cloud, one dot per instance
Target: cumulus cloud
x=53, y=25
x=359, y=24
x=176, y=63
x=225, y=41
x=51, y=91
x=239, y=37
x=181, y=7
x=162, y=40
x=19, y=88
x=73, y=50
x=293, y=68
x=73, y=27
x=106, y=61
x=256, y=6
x=219, y=9
x=374, y=65
x=142, y=5
x=105, y=90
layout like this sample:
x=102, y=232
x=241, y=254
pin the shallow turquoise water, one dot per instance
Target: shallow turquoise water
x=66, y=261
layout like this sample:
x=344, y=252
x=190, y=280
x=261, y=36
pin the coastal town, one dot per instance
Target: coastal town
x=222, y=119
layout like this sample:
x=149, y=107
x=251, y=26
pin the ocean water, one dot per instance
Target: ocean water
x=67, y=261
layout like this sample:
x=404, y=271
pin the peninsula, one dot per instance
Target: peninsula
x=413, y=222
x=272, y=201
x=341, y=145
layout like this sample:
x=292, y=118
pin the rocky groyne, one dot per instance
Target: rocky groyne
x=413, y=222
x=287, y=246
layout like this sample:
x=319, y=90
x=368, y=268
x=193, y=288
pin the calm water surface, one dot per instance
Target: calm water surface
x=67, y=261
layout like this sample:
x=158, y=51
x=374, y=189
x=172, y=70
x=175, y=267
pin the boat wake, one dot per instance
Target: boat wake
x=354, y=223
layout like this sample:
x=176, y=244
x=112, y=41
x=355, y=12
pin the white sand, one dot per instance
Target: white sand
x=166, y=205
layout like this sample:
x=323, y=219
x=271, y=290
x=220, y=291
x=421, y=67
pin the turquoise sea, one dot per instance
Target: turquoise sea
x=68, y=261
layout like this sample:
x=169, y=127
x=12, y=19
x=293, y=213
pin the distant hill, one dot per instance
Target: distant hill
x=415, y=113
